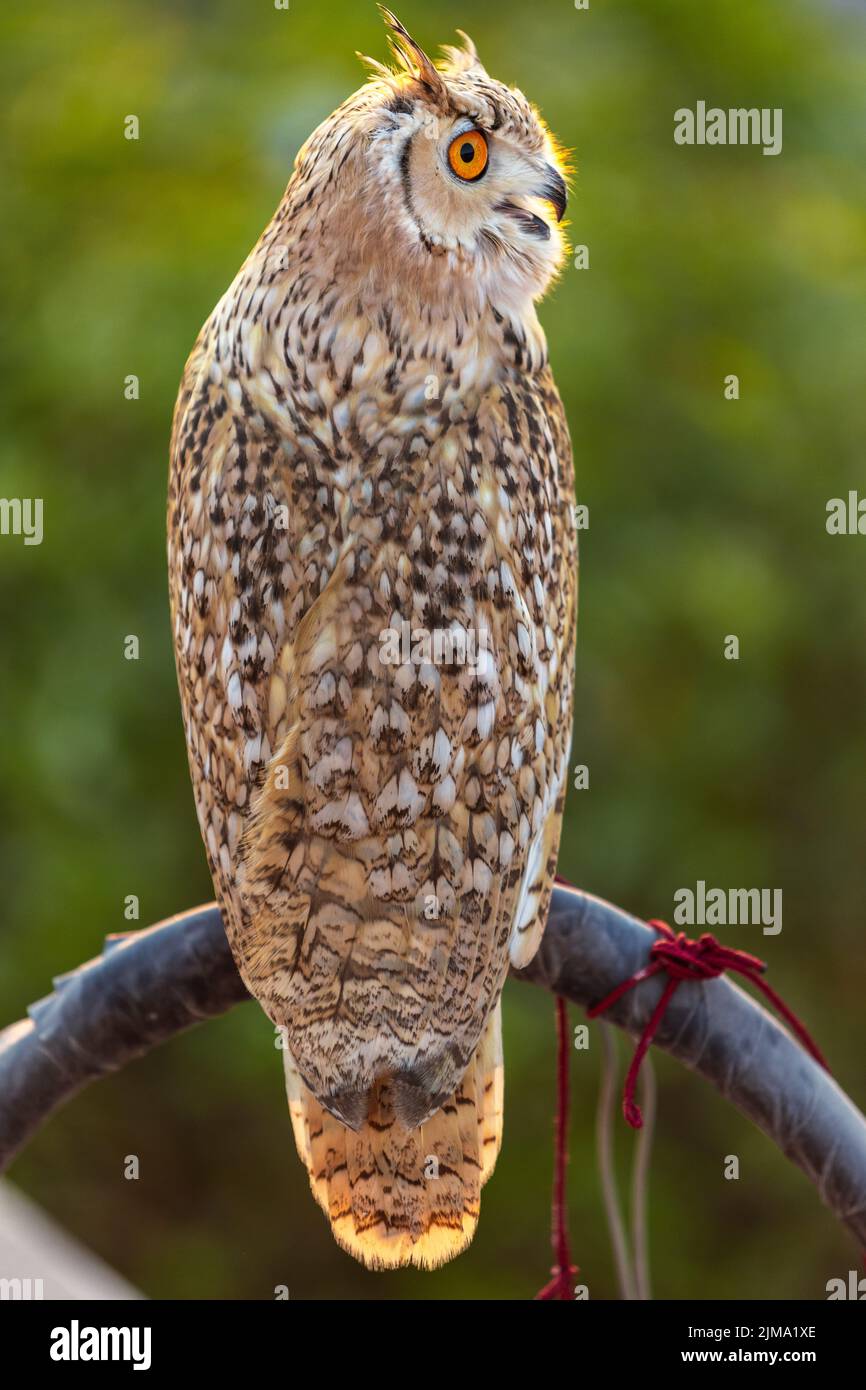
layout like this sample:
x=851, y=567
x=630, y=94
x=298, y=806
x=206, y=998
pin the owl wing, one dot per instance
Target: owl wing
x=561, y=588
x=405, y=834
x=406, y=813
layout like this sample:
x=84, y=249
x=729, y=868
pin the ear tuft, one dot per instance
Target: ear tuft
x=462, y=59
x=412, y=57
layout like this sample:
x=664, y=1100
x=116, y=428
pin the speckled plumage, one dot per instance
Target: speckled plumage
x=368, y=436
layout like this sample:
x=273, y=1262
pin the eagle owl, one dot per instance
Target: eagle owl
x=372, y=557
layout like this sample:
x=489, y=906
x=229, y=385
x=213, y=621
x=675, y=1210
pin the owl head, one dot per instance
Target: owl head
x=438, y=176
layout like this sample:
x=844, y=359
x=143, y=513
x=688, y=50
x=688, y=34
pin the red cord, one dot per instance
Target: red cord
x=561, y=1285
x=683, y=959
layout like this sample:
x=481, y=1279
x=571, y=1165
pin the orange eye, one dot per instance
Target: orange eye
x=467, y=155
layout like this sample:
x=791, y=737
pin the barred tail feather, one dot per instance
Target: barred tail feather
x=396, y=1196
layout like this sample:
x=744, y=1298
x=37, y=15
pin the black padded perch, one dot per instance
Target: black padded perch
x=149, y=985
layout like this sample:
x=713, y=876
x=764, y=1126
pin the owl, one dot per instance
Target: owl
x=372, y=559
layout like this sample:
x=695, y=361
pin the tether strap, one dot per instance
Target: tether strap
x=680, y=959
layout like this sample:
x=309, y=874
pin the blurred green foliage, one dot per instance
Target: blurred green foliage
x=706, y=518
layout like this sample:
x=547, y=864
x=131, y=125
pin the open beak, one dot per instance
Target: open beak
x=554, y=191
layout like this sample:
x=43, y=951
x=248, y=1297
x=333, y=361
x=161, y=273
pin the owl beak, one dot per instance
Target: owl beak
x=554, y=191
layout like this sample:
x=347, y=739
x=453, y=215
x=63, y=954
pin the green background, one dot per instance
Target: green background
x=707, y=517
